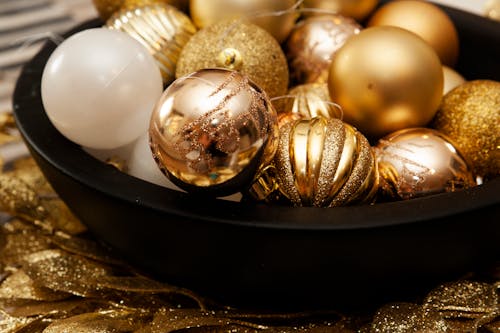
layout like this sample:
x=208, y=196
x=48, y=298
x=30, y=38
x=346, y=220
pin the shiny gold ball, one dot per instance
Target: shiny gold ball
x=268, y=14
x=238, y=45
x=386, y=79
x=106, y=8
x=320, y=162
x=212, y=130
x=452, y=79
x=357, y=9
x=312, y=44
x=416, y=162
x=470, y=116
x=426, y=20
x=161, y=28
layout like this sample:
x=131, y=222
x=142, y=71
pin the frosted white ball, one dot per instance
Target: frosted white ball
x=99, y=88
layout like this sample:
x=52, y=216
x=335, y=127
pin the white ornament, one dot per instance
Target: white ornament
x=99, y=88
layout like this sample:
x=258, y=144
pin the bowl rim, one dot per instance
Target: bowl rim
x=71, y=160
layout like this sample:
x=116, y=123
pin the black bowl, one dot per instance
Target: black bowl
x=262, y=256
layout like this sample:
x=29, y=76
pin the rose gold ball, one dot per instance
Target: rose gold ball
x=212, y=130
x=415, y=162
x=312, y=44
x=426, y=20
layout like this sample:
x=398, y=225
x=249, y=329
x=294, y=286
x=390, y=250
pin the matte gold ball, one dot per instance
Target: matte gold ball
x=357, y=9
x=211, y=132
x=470, y=116
x=415, y=162
x=237, y=45
x=106, y=8
x=312, y=44
x=386, y=79
x=426, y=20
x=259, y=12
x=320, y=162
x=161, y=28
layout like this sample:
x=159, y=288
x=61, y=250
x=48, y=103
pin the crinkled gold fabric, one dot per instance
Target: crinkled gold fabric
x=55, y=278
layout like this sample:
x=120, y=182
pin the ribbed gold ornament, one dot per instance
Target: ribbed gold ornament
x=320, y=162
x=106, y=8
x=161, y=28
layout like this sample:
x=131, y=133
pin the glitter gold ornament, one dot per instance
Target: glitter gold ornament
x=271, y=15
x=321, y=162
x=241, y=46
x=452, y=79
x=357, y=9
x=106, y=8
x=212, y=130
x=161, y=28
x=426, y=20
x=415, y=162
x=470, y=116
x=312, y=44
x=386, y=79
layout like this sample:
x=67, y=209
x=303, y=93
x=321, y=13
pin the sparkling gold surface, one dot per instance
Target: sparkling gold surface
x=212, y=125
x=262, y=58
x=275, y=16
x=386, y=79
x=313, y=43
x=357, y=9
x=470, y=116
x=161, y=28
x=106, y=8
x=420, y=161
x=322, y=163
x=426, y=20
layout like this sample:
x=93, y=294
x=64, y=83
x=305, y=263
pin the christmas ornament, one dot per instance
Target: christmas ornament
x=415, y=162
x=312, y=44
x=357, y=9
x=470, y=116
x=275, y=16
x=106, y=8
x=241, y=46
x=492, y=9
x=308, y=101
x=212, y=130
x=386, y=79
x=320, y=162
x=87, y=83
x=426, y=20
x=452, y=79
x=161, y=28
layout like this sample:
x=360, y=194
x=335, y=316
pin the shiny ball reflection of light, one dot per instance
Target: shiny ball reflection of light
x=99, y=88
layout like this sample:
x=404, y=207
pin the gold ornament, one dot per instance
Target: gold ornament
x=307, y=101
x=275, y=16
x=415, y=162
x=106, y=8
x=161, y=28
x=386, y=79
x=470, y=116
x=320, y=162
x=357, y=9
x=312, y=44
x=212, y=130
x=426, y=20
x=452, y=79
x=241, y=46
x=492, y=9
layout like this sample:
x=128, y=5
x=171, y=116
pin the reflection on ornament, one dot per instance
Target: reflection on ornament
x=320, y=162
x=106, y=8
x=357, y=9
x=415, y=162
x=241, y=46
x=426, y=20
x=386, y=79
x=312, y=44
x=161, y=28
x=275, y=16
x=87, y=83
x=452, y=79
x=212, y=130
x=470, y=116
